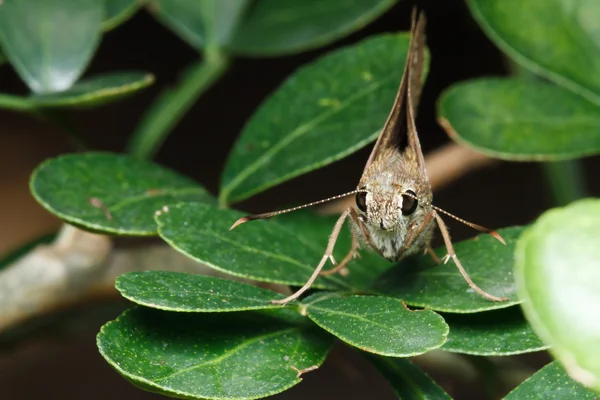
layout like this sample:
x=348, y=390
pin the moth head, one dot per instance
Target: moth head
x=387, y=210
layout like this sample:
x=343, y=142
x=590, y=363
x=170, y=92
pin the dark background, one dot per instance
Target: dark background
x=69, y=366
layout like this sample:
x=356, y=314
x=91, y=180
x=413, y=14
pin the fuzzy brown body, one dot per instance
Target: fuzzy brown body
x=384, y=228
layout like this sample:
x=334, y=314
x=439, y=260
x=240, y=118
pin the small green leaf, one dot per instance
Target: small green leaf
x=558, y=275
x=275, y=27
x=110, y=193
x=526, y=120
x=178, y=291
x=550, y=382
x=493, y=333
x=50, y=42
x=210, y=356
x=96, y=91
x=118, y=11
x=207, y=23
x=421, y=282
x=407, y=380
x=379, y=325
x=323, y=112
x=557, y=39
x=258, y=250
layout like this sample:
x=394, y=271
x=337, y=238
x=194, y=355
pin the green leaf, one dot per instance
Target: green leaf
x=525, y=120
x=557, y=39
x=407, y=380
x=50, y=42
x=275, y=27
x=210, y=356
x=421, y=282
x=551, y=382
x=203, y=24
x=118, y=11
x=493, y=333
x=259, y=250
x=379, y=325
x=178, y=291
x=2, y=57
x=362, y=271
x=558, y=275
x=110, y=193
x=95, y=91
x=323, y=112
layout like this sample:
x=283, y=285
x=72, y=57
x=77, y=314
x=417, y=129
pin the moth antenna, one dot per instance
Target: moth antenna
x=480, y=228
x=274, y=213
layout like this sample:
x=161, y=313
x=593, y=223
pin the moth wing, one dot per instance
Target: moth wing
x=399, y=130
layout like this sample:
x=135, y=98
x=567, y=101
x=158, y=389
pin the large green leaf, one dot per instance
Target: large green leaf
x=407, y=380
x=322, y=113
x=551, y=382
x=110, y=193
x=2, y=57
x=493, y=333
x=274, y=27
x=518, y=119
x=260, y=250
x=379, y=325
x=50, y=42
x=178, y=291
x=421, y=282
x=202, y=24
x=315, y=228
x=118, y=11
x=210, y=356
x=558, y=39
x=558, y=275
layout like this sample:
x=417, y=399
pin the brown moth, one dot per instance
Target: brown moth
x=394, y=214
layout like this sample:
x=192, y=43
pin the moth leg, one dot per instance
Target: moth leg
x=352, y=254
x=430, y=251
x=452, y=255
x=327, y=256
x=413, y=233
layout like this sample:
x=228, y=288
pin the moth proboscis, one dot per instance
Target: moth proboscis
x=394, y=214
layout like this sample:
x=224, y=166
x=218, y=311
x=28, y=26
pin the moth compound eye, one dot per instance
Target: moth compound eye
x=409, y=202
x=361, y=201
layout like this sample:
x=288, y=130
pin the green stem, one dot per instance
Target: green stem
x=160, y=119
x=565, y=180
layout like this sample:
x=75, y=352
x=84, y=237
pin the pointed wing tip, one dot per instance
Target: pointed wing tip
x=239, y=222
x=497, y=236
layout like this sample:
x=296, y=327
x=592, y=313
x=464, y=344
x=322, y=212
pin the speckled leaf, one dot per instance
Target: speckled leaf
x=421, y=282
x=551, y=382
x=110, y=193
x=558, y=275
x=274, y=27
x=558, y=39
x=210, y=356
x=407, y=380
x=118, y=11
x=525, y=120
x=493, y=333
x=323, y=112
x=95, y=91
x=362, y=271
x=201, y=22
x=259, y=250
x=50, y=42
x=178, y=291
x=379, y=325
